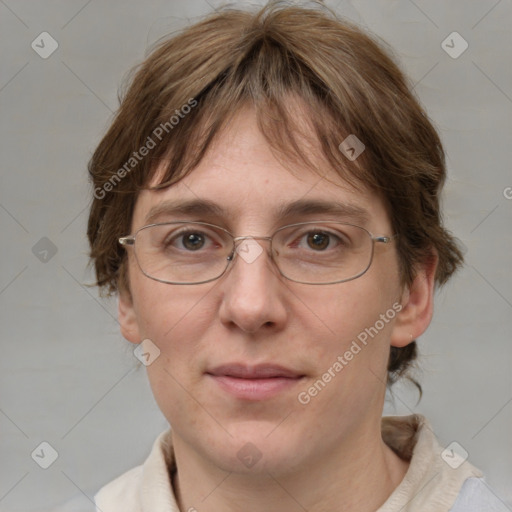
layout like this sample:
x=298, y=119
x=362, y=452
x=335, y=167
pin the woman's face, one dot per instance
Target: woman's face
x=256, y=372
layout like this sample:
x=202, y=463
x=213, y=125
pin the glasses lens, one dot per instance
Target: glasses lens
x=183, y=252
x=322, y=253
x=311, y=253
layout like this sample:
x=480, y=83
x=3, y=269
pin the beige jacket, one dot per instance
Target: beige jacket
x=432, y=483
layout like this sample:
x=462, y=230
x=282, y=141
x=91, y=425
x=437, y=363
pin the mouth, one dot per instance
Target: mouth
x=254, y=383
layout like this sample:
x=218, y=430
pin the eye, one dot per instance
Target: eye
x=185, y=239
x=318, y=240
x=184, y=242
x=193, y=241
x=325, y=240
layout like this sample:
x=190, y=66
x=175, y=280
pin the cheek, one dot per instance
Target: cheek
x=359, y=322
x=176, y=319
x=168, y=313
x=355, y=307
x=351, y=366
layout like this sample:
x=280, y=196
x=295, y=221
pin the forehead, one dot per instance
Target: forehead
x=241, y=178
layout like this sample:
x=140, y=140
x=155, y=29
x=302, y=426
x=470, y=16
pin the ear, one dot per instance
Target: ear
x=127, y=318
x=417, y=305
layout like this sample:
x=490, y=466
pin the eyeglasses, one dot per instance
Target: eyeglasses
x=320, y=252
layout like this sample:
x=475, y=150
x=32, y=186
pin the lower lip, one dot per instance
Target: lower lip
x=254, y=389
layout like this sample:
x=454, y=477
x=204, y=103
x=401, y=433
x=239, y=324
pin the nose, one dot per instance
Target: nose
x=253, y=293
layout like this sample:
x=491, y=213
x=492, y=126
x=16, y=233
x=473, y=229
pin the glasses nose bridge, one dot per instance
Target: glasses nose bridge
x=238, y=239
x=250, y=237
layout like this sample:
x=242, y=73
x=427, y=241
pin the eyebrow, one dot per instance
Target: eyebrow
x=301, y=207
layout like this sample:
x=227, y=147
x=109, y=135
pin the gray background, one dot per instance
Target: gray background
x=68, y=378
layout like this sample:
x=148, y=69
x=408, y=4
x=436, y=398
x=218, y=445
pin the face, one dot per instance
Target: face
x=253, y=357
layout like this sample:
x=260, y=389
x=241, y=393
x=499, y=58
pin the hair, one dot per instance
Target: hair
x=344, y=81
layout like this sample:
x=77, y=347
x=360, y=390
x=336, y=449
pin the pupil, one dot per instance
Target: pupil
x=319, y=240
x=193, y=241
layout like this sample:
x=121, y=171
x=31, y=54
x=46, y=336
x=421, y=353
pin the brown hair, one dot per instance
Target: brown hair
x=190, y=85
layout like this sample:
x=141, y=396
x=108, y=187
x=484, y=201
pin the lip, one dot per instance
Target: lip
x=255, y=383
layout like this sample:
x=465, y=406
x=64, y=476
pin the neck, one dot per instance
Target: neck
x=338, y=480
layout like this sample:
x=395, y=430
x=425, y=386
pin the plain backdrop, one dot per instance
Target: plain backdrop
x=69, y=379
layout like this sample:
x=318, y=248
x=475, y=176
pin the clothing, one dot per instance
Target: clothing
x=430, y=484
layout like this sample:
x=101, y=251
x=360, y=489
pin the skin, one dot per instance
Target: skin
x=315, y=456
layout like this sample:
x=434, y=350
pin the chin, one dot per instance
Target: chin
x=256, y=448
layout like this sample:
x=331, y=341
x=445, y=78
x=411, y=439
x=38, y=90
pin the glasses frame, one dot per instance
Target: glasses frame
x=129, y=241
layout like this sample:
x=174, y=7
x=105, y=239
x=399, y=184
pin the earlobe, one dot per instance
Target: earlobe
x=127, y=318
x=417, y=305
